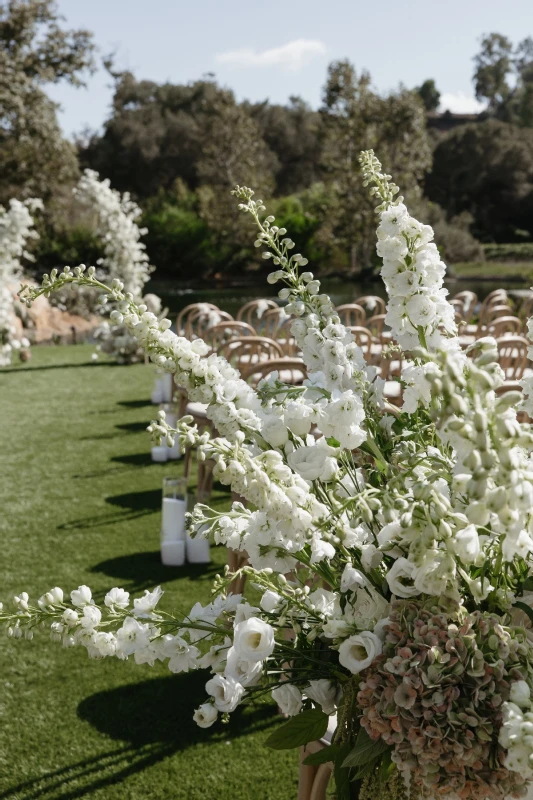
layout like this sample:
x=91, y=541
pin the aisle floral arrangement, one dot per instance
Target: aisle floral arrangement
x=391, y=548
x=16, y=227
x=124, y=258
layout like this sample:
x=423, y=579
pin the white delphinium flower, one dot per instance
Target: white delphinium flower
x=117, y=598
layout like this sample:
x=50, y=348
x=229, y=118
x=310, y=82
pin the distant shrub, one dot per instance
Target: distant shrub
x=517, y=251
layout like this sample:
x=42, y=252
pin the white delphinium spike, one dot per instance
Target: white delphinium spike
x=125, y=257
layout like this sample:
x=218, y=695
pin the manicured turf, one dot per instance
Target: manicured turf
x=80, y=503
x=504, y=272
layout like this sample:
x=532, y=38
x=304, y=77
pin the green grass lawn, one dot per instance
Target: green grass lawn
x=496, y=271
x=80, y=503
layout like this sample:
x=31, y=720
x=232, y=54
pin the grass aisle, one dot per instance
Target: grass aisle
x=80, y=503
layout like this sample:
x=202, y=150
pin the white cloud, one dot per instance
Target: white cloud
x=291, y=56
x=460, y=103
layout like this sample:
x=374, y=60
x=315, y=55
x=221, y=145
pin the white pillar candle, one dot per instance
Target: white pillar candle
x=197, y=550
x=159, y=391
x=160, y=453
x=173, y=519
x=167, y=387
x=173, y=554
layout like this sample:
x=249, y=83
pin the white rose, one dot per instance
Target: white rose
x=352, y=578
x=324, y=693
x=520, y=694
x=313, y=463
x=288, y=698
x=274, y=431
x=226, y=692
x=400, y=578
x=298, y=417
x=379, y=628
x=254, y=640
x=269, y=601
x=359, y=651
x=325, y=602
x=206, y=715
x=466, y=544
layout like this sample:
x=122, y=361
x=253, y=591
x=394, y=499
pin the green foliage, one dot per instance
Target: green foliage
x=35, y=50
x=486, y=169
x=504, y=77
x=365, y=750
x=308, y=726
x=518, y=251
x=429, y=94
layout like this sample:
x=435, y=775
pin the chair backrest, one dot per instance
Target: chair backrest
x=468, y=301
x=270, y=322
x=290, y=370
x=391, y=366
x=504, y=325
x=362, y=337
x=351, y=314
x=253, y=311
x=372, y=304
x=286, y=340
x=191, y=310
x=242, y=353
x=512, y=356
x=223, y=332
x=526, y=309
x=197, y=325
x=493, y=312
x=376, y=325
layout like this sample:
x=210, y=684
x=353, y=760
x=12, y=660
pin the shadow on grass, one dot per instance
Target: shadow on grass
x=154, y=720
x=101, y=520
x=135, y=403
x=30, y=368
x=135, y=504
x=134, y=461
x=138, y=501
x=133, y=427
x=145, y=570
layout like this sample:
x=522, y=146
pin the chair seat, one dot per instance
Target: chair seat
x=197, y=410
x=392, y=389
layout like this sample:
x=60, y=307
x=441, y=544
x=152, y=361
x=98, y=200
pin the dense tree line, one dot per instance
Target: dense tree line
x=179, y=149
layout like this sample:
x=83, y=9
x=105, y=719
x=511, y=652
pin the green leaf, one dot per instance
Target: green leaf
x=365, y=750
x=297, y=731
x=386, y=767
x=525, y=608
x=528, y=585
x=342, y=775
x=365, y=769
x=322, y=756
x=333, y=442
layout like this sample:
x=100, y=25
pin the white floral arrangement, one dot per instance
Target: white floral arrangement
x=125, y=258
x=16, y=227
x=391, y=548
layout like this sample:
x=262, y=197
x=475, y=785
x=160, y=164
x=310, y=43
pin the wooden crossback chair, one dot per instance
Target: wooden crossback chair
x=372, y=304
x=253, y=311
x=351, y=314
x=191, y=310
x=512, y=356
x=503, y=325
x=290, y=370
x=223, y=332
x=246, y=351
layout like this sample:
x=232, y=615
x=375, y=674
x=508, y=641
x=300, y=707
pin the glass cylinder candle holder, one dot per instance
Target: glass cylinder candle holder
x=197, y=548
x=174, y=508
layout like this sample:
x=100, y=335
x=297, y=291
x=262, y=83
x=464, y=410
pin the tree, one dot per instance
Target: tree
x=35, y=50
x=292, y=133
x=355, y=118
x=486, y=169
x=429, y=94
x=503, y=76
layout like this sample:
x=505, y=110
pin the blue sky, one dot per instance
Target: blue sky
x=282, y=47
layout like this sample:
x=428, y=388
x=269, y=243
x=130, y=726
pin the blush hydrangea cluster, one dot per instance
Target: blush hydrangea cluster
x=436, y=695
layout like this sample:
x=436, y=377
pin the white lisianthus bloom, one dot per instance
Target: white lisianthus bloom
x=246, y=672
x=400, y=578
x=226, y=692
x=254, y=640
x=143, y=606
x=313, y=463
x=205, y=715
x=288, y=698
x=81, y=596
x=270, y=601
x=359, y=651
x=323, y=692
x=117, y=598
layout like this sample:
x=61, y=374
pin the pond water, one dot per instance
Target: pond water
x=176, y=296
